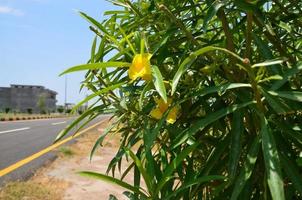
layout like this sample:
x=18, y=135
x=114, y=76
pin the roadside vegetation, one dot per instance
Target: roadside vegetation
x=209, y=92
x=27, y=190
x=26, y=116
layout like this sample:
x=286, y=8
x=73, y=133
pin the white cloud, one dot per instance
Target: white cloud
x=11, y=11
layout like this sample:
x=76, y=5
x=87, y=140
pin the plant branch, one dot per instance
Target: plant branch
x=249, y=35
x=179, y=23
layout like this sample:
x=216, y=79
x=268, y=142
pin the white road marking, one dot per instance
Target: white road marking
x=57, y=123
x=14, y=130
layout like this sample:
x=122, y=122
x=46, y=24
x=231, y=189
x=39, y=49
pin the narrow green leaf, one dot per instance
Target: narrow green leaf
x=92, y=60
x=173, y=165
x=201, y=180
x=272, y=162
x=190, y=60
x=274, y=103
x=100, y=92
x=95, y=66
x=210, y=118
x=268, y=63
x=142, y=95
x=159, y=83
x=274, y=77
x=114, y=181
x=101, y=51
x=220, y=88
x=237, y=131
x=142, y=46
x=115, y=12
x=263, y=47
x=141, y=168
x=112, y=197
x=76, y=121
x=215, y=154
x=213, y=9
x=292, y=95
x=285, y=26
x=126, y=37
x=100, y=140
x=287, y=75
x=247, y=169
x=93, y=22
x=292, y=172
x=247, y=6
x=162, y=42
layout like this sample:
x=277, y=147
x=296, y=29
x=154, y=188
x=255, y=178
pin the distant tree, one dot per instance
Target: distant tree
x=41, y=103
x=68, y=111
x=60, y=109
x=29, y=110
x=7, y=110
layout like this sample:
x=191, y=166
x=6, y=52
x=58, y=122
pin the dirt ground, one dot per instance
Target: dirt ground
x=60, y=180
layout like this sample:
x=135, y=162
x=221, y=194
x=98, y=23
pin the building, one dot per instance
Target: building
x=27, y=98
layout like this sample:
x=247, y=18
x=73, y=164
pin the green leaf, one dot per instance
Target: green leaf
x=237, y=131
x=268, y=63
x=95, y=66
x=285, y=26
x=274, y=77
x=114, y=181
x=95, y=94
x=191, y=183
x=93, y=22
x=247, y=169
x=141, y=169
x=210, y=118
x=102, y=137
x=190, y=60
x=292, y=95
x=287, y=75
x=142, y=95
x=76, y=121
x=263, y=47
x=220, y=88
x=112, y=197
x=213, y=9
x=292, y=172
x=159, y=83
x=272, y=162
x=173, y=165
x=274, y=103
x=215, y=154
x=92, y=60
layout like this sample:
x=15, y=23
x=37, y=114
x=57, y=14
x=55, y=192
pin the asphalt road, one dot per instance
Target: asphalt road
x=20, y=139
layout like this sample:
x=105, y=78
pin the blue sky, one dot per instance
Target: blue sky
x=41, y=38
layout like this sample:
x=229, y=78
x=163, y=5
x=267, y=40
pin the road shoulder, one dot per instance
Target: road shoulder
x=60, y=175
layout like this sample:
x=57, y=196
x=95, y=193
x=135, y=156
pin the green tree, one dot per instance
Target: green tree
x=209, y=91
x=60, y=109
x=42, y=104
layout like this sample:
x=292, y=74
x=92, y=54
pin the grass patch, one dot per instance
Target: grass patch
x=66, y=151
x=27, y=190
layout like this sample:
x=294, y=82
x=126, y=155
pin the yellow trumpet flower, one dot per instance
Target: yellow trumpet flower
x=140, y=67
x=162, y=107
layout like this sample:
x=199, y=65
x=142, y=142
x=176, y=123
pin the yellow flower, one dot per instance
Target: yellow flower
x=140, y=67
x=162, y=107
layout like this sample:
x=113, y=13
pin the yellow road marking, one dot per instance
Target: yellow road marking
x=44, y=151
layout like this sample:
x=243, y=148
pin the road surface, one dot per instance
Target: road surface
x=21, y=139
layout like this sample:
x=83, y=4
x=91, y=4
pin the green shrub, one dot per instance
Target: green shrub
x=60, y=109
x=209, y=92
x=68, y=111
x=29, y=110
x=7, y=110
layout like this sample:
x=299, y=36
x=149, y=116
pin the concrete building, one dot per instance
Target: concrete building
x=25, y=98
